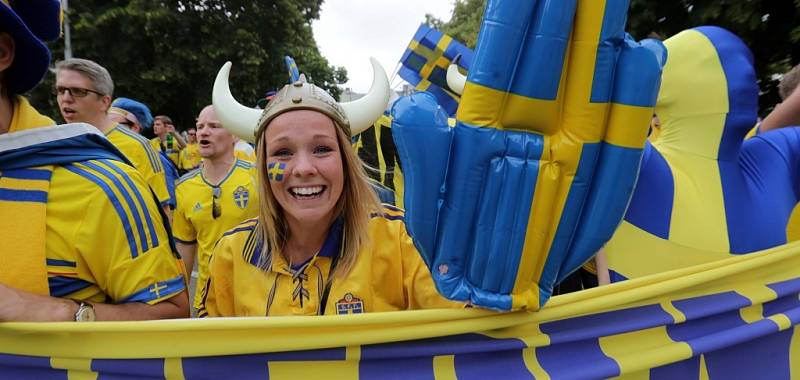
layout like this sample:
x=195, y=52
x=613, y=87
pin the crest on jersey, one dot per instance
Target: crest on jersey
x=241, y=196
x=197, y=207
x=349, y=304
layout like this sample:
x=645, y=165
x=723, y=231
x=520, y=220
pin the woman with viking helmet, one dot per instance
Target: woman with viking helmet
x=322, y=243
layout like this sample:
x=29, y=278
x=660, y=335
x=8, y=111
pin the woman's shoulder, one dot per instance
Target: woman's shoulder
x=388, y=213
x=240, y=242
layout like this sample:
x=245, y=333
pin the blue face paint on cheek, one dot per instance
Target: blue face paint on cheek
x=275, y=171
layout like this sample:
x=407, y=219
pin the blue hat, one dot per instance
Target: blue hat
x=141, y=111
x=29, y=22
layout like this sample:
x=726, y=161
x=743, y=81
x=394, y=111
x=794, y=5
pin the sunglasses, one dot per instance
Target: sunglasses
x=216, y=208
x=77, y=92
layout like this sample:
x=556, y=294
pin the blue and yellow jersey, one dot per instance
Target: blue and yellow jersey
x=388, y=274
x=143, y=157
x=169, y=147
x=103, y=236
x=105, y=239
x=193, y=219
x=189, y=157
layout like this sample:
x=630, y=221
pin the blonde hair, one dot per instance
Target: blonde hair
x=355, y=205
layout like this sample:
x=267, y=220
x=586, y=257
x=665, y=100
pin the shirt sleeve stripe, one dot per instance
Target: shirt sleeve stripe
x=148, y=149
x=63, y=286
x=150, y=226
x=16, y=195
x=157, y=291
x=31, y=174
x=132, y=206
x=114, y=202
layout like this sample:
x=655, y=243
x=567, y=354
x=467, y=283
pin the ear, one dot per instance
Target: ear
x=7, y=49
x=106, y=101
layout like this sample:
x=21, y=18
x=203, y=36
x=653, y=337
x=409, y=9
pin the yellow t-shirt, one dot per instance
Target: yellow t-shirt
x=189, y=157
x=388, y=275
x=143, y=157
x=170, y=148
x=193, y=221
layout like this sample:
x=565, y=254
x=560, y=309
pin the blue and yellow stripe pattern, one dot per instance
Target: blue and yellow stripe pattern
x=425, y=63
x=126, y=199
x=276, y=171
x=538, y=171
x=291, y=68
x=734, y=319
x=704, y=192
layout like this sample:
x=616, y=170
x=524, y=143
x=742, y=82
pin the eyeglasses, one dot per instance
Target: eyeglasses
x=77, y=92
x=216, y=208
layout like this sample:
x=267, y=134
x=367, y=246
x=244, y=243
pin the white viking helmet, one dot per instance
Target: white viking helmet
x=248, y=123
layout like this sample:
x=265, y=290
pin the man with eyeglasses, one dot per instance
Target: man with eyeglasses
x=77, y=240
x=213, y=198
x=83, y=90
x=190, y=155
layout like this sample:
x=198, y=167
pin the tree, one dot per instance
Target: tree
x=771, y=28
x=167, y=53
x=464, y=23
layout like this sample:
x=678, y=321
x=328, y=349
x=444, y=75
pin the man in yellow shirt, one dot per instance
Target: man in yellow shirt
x=190, y=155
x=212, y=199
x=83, y=91
x=167, y=140
x=78, y=236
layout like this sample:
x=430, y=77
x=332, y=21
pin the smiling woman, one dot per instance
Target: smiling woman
x=322, y=243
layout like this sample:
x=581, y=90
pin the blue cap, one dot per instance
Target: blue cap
x=30, y=23
x=141, y=111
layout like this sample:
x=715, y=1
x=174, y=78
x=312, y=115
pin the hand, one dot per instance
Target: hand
x=170, y=128
x=538, y=171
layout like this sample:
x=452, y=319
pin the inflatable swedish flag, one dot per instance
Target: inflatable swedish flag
x=538, y=171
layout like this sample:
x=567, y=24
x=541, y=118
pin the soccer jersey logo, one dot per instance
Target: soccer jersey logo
x=241, y=196
x=197, y=207
x=350, y=304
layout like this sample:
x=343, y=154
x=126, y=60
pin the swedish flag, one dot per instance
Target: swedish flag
x=291, y=68
x=275, y=171
x=425, y=63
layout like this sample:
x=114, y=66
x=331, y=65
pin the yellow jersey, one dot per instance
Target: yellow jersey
x=103, y=241
x=189, y=158
x=143, y=157
x=389, y=274
x=105, y=238
x=170, y=147
x=193, y=219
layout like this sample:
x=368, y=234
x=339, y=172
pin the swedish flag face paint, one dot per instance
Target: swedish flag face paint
x=275, y=171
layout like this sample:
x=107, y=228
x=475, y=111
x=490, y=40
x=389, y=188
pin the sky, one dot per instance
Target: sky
x=350, y=31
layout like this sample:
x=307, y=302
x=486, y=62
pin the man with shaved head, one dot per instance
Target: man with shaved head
x=212, y=198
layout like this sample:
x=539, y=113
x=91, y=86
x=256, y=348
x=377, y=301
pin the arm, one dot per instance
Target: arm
x=17, y=305
x=784, y=114
x=188, y=253
x=601, y=264
x=177, y=136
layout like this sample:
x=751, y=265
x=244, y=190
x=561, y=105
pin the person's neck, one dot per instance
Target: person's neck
x=107, y=124
x=306, y=239
x=6, y=113
x=216, y=168
x=162, y=137
x=101, y=122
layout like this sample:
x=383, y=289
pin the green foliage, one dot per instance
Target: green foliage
x=167, y=53
x=771, y=28
x=464, y=24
